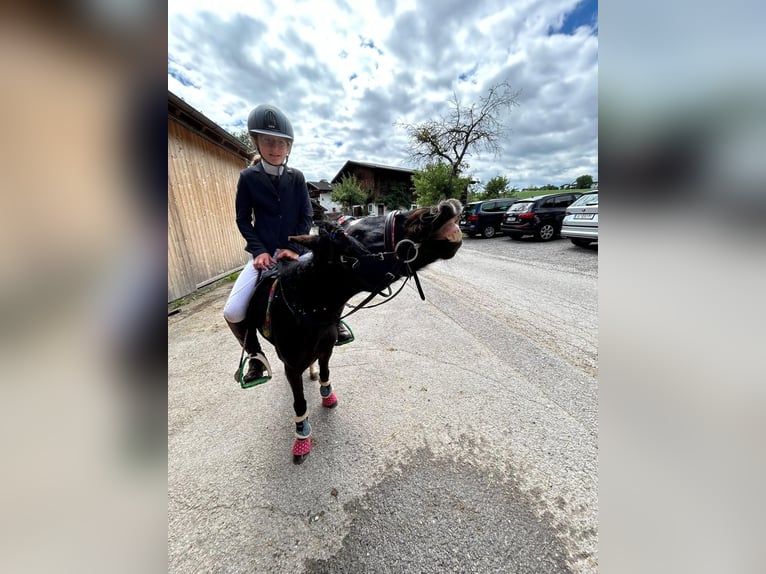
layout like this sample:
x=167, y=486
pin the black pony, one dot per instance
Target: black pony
x=297, y=309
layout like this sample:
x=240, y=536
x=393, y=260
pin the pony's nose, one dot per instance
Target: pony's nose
x=450, y=232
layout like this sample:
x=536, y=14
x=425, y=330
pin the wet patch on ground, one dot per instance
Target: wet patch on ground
x=444, y=515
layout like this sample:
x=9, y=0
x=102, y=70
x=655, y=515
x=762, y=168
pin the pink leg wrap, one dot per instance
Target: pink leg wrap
x=301, y=446
x=330, y=401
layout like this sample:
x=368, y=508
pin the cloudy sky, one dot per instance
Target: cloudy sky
x=346, y=72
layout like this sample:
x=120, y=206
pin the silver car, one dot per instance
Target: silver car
x=580, y=223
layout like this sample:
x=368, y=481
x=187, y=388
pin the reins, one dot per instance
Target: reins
x=387, y=298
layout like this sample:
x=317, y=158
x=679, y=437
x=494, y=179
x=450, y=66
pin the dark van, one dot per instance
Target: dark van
x=540, y=216
x=484, y=217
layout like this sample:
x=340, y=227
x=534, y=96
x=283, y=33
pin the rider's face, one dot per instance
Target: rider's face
x=273, y=149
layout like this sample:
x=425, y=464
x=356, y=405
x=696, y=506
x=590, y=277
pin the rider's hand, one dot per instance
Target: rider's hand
x=287, y=254
x=263, y=261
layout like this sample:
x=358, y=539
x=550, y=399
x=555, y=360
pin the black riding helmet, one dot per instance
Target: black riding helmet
x=269, y=120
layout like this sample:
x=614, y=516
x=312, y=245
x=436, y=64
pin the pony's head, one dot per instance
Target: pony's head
x=435, y=230
x=418, y=237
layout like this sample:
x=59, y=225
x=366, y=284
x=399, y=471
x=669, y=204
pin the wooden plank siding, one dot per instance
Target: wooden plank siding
x=203, y=241
x=378, y=180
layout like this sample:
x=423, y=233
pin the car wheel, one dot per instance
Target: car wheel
x=489, y=232
x=581, y=242
x=545, y=232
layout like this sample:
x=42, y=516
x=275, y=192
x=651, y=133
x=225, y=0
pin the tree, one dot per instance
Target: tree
x=451, y=138
x=496, y=187
x=436, y=182
x=584, y=181
x=348, y=192
x=244, y=137
x=398, y=197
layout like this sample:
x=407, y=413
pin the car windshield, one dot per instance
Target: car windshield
x=520, y=207
x=587, y=199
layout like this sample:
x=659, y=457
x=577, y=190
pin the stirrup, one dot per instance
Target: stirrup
x=259, y=381
x=351, y=340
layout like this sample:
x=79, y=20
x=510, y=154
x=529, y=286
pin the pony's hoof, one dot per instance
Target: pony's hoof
x=301, y=449
x=330, y=402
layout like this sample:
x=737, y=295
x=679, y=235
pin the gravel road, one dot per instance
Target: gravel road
x=465, y=439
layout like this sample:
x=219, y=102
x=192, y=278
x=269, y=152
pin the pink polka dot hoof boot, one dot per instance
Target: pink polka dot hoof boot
x=302, y=444
x=329, y=399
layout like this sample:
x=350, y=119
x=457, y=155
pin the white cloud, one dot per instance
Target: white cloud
x=346, y=72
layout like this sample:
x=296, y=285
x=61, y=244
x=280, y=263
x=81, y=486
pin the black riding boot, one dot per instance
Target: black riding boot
x=252, y=347
x=344, y=335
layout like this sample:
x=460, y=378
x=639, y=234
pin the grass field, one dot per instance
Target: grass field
x=525, y=193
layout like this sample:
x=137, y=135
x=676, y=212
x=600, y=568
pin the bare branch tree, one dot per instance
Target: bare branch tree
x=466, y=128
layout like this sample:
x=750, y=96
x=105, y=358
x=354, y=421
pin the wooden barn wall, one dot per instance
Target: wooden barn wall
x=203, y=241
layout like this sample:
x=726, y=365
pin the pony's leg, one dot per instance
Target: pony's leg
x=302, y=444
x=329, y=399
x=314, y=371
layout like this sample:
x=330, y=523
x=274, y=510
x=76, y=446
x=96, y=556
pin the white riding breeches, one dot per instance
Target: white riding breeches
x=235, y=309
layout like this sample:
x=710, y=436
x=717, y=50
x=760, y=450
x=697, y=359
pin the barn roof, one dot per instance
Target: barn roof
x=376, y=166
x=196, y=121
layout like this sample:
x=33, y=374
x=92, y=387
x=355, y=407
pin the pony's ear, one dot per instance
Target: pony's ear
x=446, y=210
x=308, y=241
x=330, y=239
x=328, y=227
x=324, y=229
x=340, y=238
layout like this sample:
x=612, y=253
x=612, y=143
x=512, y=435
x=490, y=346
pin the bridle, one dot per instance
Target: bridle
x=402, y=253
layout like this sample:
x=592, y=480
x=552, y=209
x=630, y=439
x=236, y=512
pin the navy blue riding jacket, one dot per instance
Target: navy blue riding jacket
x=268, y=214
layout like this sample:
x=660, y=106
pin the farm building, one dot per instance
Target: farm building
x=320, y=193
x=204, y=162
x=379, y=181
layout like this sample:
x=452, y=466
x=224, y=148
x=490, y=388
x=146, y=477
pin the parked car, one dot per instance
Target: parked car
x=343, y=220
x=540, y=216
x=483, y=217
x=580, y=223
